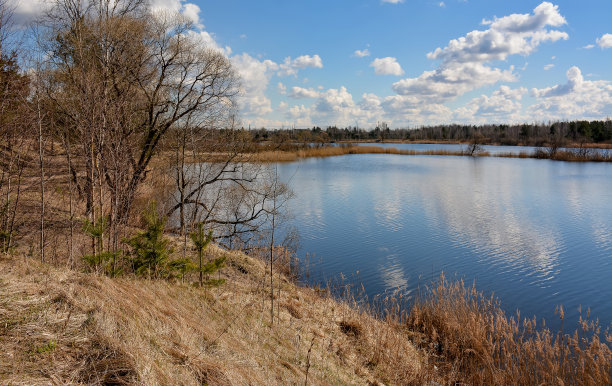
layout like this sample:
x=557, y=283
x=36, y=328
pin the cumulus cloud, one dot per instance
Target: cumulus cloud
x=392, y=1
x=207, y=39
x=576, y=99
x=301, y=93
x=337, y=106
x=605, y=41
x=549, y=67
x=192, y=13
x=574, y=81
x=465, y=62
x=292, y=66
x=281, y=88
x=543, y=15
x=387, y=66
x=589, y=46
x=254, y=76
x=503, y=105
x=26, y=11
x=510, y=35
x=361, y=53
x=452, y=80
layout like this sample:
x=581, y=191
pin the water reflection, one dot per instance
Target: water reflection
x=529, y=230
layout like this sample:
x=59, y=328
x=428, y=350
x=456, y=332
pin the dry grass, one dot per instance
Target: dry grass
x=578, y=155
x=332, y=151
x=472, y=341
x=586, y=154
x=65, y=327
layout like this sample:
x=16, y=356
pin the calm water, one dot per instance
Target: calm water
x=491, y=149
x=537, y=233
x=451, y=147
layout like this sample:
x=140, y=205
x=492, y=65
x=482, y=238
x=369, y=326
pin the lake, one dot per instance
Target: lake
x=536, y=233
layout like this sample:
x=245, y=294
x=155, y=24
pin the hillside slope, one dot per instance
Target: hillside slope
x=59, y=326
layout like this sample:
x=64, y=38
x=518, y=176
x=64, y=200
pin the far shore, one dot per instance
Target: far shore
x=568, y=154
x=569, y=145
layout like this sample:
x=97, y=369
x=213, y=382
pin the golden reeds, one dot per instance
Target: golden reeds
x=471, y=340
x=578, y=155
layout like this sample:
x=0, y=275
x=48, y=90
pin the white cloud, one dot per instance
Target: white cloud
x=26, y=11
x=605, y=41
x=387, y=66
x=370, y=102
x=192, y=13
x=549, y=67
x=301, y=93
x=576, y=99
x=254, y=76
x=465, y=62
x=589, y=46
x=503, y=105
x=510, y=35
x=392, y=1
x=543, y=15
x=574, y=81
x=281, y=88
x=441, y=4
x=292, y=66
x=361, y=53
x=334, y=100
x=453, y=80
x=207, y=39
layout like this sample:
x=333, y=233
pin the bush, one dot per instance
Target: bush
x=150, y=249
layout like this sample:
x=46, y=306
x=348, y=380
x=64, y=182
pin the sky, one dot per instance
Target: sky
x=407, y=62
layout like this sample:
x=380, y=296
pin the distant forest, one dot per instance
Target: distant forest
x=557, y=133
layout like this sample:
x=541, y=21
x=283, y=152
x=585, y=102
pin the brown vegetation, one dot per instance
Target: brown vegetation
x=62, y=326
x=585, y=154
x=331, y=151
x=472, y=341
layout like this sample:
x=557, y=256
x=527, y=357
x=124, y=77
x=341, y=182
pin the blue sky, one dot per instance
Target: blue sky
x=410, y=62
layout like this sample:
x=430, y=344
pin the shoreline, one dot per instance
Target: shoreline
x=70, y=326
x=554, y=154
x=569, y=145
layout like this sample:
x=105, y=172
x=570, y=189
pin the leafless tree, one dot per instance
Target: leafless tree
x=122, y=80
x=14, y=120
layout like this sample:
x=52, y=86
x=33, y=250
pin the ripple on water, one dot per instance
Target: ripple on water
x=536, y=233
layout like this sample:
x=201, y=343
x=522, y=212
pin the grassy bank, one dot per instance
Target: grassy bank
x=65, y=327
x=60, y=326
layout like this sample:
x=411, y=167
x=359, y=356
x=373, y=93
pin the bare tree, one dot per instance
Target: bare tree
x=14, y=121
x=122, y=80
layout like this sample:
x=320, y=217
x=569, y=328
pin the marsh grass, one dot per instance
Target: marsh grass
x=470, y=340
x=585, y=154
x=332, y=151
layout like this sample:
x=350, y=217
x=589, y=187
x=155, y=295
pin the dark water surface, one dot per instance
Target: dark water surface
x=537, y=233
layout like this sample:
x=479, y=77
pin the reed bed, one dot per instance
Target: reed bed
x=471, y=340
x=579, y=155
x=332, y=151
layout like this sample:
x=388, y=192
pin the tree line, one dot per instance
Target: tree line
x=535, y=134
